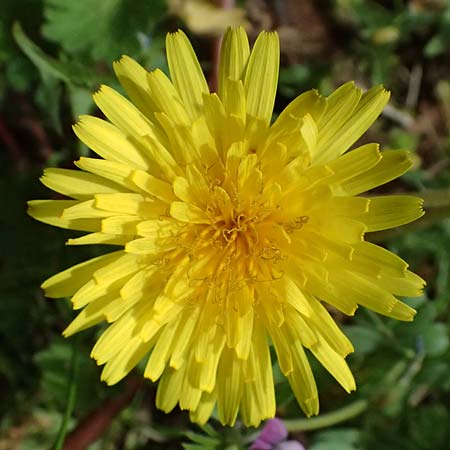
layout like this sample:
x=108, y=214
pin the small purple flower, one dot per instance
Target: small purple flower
x=273, y=437
x=289, y=445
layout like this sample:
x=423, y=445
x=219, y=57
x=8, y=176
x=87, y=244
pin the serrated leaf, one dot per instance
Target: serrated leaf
x=49, y=68
x=77, y=26
x=103, y=30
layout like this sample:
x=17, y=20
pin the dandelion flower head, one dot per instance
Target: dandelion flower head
x=232, y=234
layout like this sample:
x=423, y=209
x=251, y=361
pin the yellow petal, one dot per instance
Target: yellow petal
x=133, y=78
x=335, y=364
x=109, y=142
x=120, y=203
x=169, y=388
x=89, y=316
x=234, y=55
x=229, y=387
x=341, y=104
x=310, y=102
x=302, y=381
x=373, y=260
x=261, y=76
x=122, y=266
x=356, y=123
x=204, y=409
x=185, y=212
x=121, y=225
x=111, y=170
x=234, y=100
x=392, y=211
x=166, y=97
x=393, y=164
x=122, y=113
x=258, y=397
x=66, y=283
x=99, y=238
x=150, y=246
x=76, y=184
x=185, y=71
x=325, y=324
x=50, y=211
x=115, y=336
x=85, y=210
x=401, y=311
x=130, y=353
x=153, y=185
x=163, y=349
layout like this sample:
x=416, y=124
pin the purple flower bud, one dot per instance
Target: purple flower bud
x=289, y=445
x=273, y=432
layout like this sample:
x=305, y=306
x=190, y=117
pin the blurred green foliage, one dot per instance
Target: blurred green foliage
x=53, y=55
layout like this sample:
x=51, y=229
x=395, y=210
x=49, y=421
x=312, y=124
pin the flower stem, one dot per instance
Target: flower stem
x=329, y=419
x=71, y=397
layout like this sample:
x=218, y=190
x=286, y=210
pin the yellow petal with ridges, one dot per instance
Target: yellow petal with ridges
x=133, y=78
x=234, y=54
x=115, y=335
x=302, y=381
x=152, y=185
x=99, y=238
x=162, y=350
x=125, y=225
x=310, y=102
x=204, y=409
x=261, y=76
x=125, y=360
x=361, y=118
x=340, y=105
x=120, y=203
x=334, y=363
x=330, y=331
x=110, y=170
x=66, y=283
x=401, y=311
x=108, y=142
x=76, y=184
x=185, y=212
x=392, y=164
x=229, y=387
x=166, y=97
x=122, y=113
x=50, y=212
x=186, y=73
x=169, y=388
x=392, y=211
x=85, y=210
x=89, y=316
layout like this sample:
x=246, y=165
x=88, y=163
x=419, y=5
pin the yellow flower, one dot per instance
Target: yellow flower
x=232, y=232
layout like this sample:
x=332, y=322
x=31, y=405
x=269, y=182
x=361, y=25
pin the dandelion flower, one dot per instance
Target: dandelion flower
x=232, y=233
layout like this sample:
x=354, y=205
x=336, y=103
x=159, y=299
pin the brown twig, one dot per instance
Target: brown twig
x=37, y=131
x=98, y=421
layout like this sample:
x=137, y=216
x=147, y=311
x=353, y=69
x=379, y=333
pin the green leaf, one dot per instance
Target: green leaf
x=337, y=439
x=364, y=338
x=103, y=30
x=49, y=68
x=435, y=339
x=78, y=25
